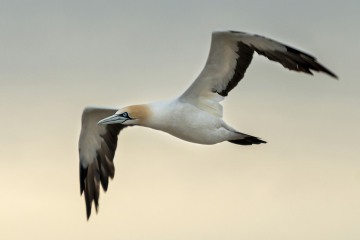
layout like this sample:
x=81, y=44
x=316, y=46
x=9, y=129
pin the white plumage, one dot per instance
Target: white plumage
x=194, y=116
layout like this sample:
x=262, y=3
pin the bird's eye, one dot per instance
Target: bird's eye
x=125, y=114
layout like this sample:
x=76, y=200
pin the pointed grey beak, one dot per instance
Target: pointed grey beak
x=112, y=120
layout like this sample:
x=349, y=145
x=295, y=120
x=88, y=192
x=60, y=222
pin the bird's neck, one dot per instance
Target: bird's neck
x=159, y=113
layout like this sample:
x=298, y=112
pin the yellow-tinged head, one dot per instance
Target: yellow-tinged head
x=131, y=115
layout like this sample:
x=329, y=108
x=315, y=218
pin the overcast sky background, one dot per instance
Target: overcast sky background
x=59, y=56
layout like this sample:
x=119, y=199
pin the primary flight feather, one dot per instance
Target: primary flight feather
x=194, y=116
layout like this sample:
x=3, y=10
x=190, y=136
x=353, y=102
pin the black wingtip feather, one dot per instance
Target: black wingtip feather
x=83, y=173
x=88, y=205
x=296, y=60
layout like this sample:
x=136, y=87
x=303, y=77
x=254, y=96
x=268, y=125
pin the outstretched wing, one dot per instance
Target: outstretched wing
x=97, y=145
x=230, y=55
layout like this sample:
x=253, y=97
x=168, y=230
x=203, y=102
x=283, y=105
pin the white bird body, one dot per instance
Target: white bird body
x=195, y=116
x=186, y=121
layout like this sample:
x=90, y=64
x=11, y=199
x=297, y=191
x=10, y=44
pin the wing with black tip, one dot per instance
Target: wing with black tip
x=97, y=145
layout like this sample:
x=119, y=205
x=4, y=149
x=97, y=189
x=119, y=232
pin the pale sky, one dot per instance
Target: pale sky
x=59, y=56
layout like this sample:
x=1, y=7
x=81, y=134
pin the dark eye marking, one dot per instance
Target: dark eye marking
x=125, y=115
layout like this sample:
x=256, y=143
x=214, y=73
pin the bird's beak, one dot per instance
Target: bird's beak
x=112, y=120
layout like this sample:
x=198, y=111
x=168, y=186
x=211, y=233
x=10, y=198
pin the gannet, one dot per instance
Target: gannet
x=194, y=116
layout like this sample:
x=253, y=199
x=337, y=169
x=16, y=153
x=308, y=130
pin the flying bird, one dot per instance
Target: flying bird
x=194, y=116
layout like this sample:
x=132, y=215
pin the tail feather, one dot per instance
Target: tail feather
x=247, y=140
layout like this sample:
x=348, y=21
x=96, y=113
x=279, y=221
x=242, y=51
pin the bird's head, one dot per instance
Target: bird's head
x=131, y=115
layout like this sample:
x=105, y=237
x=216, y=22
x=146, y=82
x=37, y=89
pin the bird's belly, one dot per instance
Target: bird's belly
x=200, y=137
x=191, y=124
x=201, y=132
